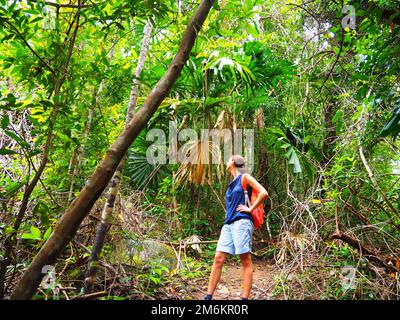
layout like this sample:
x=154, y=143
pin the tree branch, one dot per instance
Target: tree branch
x=63, y=5
x=46, y=64
x=374, y=181
x=369, y=253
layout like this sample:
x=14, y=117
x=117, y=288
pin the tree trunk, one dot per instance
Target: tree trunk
x=108, y=209
x=369, y=253
x=81, y=206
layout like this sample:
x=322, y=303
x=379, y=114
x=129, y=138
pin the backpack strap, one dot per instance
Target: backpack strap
x=244, y=182
x=246, y=193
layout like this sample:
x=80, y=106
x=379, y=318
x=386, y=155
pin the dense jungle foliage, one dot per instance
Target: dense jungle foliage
x=319, y=87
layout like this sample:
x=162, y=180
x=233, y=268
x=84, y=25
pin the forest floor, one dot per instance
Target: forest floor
x=230, y=285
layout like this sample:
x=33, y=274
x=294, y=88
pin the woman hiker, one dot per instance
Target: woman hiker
x=236, y=234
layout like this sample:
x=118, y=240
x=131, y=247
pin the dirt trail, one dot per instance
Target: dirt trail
x=230, y=285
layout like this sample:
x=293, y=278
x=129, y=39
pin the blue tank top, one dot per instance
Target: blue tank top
x=233, y=197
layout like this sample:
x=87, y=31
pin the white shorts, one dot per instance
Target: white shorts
x=236, y=238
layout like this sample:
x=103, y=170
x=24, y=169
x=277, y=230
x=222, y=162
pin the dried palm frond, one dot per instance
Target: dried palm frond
x=225, y=120
x=196, y=166
x=198, y=155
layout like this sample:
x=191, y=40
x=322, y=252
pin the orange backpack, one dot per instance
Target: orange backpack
x=259, y=212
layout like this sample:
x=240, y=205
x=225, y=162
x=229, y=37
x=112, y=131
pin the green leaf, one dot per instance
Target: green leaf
x=7, y=151
x=35, y=231
x=120, y=26
x=5, y=121
x=35, y=20
x=34, y=152
x=216, y=6
x=294, y=160
x=392, y=127
x=95, y=67
x=42, y=210
x=13, y=187
x=18, y=139
x=35, y=234
x=47, y=233
x=33, y=120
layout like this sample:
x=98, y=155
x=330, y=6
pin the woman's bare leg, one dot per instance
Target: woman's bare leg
x=247, y=271
x=216, y=271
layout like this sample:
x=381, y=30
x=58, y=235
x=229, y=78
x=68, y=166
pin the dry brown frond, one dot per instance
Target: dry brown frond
x=196, y=166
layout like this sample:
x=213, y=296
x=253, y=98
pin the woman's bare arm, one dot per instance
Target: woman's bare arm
x=262, y=195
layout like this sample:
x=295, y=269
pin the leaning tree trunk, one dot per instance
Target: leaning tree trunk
x=11, y=239
x=108, y=209
x=81, y=206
